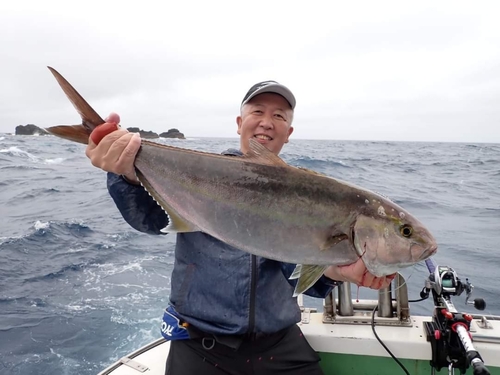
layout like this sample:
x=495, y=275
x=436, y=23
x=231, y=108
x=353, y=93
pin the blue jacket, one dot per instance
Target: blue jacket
x=216, y=287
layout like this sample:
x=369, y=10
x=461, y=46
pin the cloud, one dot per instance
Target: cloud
x=360, y=70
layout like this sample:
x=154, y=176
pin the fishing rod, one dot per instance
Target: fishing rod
x=449, y=330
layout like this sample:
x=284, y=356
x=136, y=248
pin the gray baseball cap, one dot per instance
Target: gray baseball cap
x=271, y=87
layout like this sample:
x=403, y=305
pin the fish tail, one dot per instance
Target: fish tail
x=75, y=133
x=90, y=118
x=80, y=134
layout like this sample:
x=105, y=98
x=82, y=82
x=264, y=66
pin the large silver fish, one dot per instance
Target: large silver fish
x=263, y=206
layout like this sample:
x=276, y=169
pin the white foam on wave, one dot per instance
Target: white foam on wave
x=16, y=151
x=113, y=269
x=39, y=225
x=80, y=307
x=2, y=138
x=54, y=161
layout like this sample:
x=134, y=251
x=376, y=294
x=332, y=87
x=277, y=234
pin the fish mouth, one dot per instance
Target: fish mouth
x=416, y=248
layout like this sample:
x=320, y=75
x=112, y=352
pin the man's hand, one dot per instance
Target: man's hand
x=358, y=274
x=116, y=151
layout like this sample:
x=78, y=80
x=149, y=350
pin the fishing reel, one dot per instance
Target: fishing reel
x=448, y=332
x=445, y=283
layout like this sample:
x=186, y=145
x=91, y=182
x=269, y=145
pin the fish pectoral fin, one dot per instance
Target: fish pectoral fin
x=176, y=224
x=260, y=154
x=307, y=276
x=333, y=240
x=75, y=133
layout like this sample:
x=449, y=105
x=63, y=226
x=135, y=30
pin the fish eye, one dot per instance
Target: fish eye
x=406, y=230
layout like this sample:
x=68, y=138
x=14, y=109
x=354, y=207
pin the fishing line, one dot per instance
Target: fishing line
x=406, y=280
x=384, y=346
x=373, y=323
x=380, y=340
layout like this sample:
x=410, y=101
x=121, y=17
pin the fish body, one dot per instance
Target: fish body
x=261, y=205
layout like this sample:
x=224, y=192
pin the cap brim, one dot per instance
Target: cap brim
x=274, y=88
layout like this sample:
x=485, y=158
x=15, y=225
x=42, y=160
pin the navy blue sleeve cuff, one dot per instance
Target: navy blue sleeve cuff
x=137, y=207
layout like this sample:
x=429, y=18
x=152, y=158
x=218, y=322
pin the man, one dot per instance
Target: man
x=237, y=308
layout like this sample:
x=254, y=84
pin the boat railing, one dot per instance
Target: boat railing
x=391, y=308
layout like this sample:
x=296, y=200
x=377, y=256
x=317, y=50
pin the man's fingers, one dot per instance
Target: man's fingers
x=100, y=155
x=108, y=141
x=130, y=151
x=121, y=154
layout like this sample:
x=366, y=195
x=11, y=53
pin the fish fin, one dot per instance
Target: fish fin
x=307, y=275
x=90, y=118
x=75, y=133
x=311, y=171
x=260, y=154
x=176, y=224
x=296, y=272
x=333, y=240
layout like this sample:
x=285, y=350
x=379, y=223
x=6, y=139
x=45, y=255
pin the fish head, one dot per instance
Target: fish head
x=387, y=243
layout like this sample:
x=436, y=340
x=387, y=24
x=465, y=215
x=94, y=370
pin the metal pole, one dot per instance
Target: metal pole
x=385, y=302
x=345, y=301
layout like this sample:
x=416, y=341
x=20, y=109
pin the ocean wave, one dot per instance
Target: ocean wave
x=60, y=275
x=62, y=272
x=16, y=151
x=317, y=164
x=36, y=193
x=23, y=301
x=70, y=227
x=50, y=232
x=54, y=161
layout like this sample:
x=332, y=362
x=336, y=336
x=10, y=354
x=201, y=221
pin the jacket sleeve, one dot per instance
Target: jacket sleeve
x=320, y=289
x=137, y=207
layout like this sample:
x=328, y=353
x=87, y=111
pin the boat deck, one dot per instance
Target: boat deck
x=345, y=348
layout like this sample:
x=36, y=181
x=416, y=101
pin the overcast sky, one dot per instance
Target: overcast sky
x=367, y=70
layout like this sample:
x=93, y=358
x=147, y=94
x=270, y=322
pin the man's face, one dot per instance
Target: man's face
x=266, y=118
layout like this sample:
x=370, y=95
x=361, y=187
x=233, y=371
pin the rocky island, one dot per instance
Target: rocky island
x=146, y=134
x=171, y=133
x=31, y=129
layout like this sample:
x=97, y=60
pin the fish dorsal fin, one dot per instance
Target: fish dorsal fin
x=312, y=172
x=260, y=154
